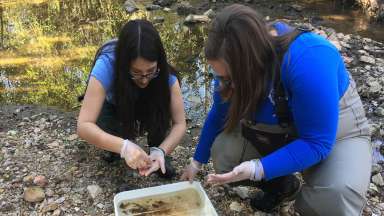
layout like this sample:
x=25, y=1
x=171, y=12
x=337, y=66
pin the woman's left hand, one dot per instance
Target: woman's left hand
x=158, y=161
x=247, y=170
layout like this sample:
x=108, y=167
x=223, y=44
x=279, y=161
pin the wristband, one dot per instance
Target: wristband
x=157, y=149
x=258, y=170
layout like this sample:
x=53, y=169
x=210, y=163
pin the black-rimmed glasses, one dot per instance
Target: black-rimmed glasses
x=150, y=76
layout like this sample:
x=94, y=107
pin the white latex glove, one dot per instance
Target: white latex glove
x=191, y=170
x=134, y=156
x=157, y=161
x=252, y=170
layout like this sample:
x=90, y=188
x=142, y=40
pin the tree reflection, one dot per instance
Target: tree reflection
x=48, y=47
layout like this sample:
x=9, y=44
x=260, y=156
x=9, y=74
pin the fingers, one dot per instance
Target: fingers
x=221, y=178
x=153, y=168
x=162, y=166
x=187, y=175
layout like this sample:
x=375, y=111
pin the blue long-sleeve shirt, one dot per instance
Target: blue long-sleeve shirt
x=315, y=78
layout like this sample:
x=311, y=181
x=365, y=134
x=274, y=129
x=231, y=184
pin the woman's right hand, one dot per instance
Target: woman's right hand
x=190, y=171
x=134, y=156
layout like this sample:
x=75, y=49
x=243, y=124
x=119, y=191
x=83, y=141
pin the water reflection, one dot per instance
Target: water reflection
x=48, y=46
x=347, y=19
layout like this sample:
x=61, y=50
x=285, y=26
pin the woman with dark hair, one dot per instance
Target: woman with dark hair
x=131, y=90
x=284, y=103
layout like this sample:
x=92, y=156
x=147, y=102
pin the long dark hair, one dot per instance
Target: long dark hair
x=142, y=109
x=241, y=38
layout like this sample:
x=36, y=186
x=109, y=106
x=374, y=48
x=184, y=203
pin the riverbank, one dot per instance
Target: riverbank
x=39, y=141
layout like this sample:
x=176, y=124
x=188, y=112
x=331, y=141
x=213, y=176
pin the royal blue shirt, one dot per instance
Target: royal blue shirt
x=104, y=70
x=315, y=78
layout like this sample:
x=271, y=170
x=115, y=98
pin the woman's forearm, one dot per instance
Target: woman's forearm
x=173, y=138
x=93, y=134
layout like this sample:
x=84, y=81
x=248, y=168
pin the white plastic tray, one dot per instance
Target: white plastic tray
x=180, y=198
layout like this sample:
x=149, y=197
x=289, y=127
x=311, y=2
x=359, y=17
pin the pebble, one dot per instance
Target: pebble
x=152, y=7
x=100, y=206
x=190, y=19
x=72, y=137
x=60, y=200
x=34, y=194
x=242, y=191
x=130, y=6
x=367, y=59
x=235, y=206
x=28, y=179
x=12, y=133
x=373, y=188
x=49, y=192
x=94, y=190
x=376, y=168
x=40, y=181
x=53, y=144
x=50, y=207
x=57, y=212
x=378, y=179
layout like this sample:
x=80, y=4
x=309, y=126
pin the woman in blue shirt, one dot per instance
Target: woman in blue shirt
x=283, y=103
x=131, y=90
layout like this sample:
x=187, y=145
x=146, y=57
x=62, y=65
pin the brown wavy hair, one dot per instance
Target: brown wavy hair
x=241, y=38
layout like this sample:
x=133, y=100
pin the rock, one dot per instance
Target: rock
x=100, y=206
x=167, y=9
x=378, y=179
x=235, y=206
x=57, y=212
x=373, y=188
x=152, y=7
x=210, y=13
x=28, y=179
x=6, y=207
x=60, y=200
x=49, y=192
x=367, y=59
x=297, y=7
x=34, y=194
x=380, y=111
x=191, y=19
x=158, y=19
x=243, y=192
x=184, y=9
x=376, y=168
x=130, y=6
x=40, y=181
x=50, y=207
x=54, y=144
x=12, y=133
x=94, y=190
x=164, y=3
x=375, y=87
x=72, y=137
x=347, y=59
